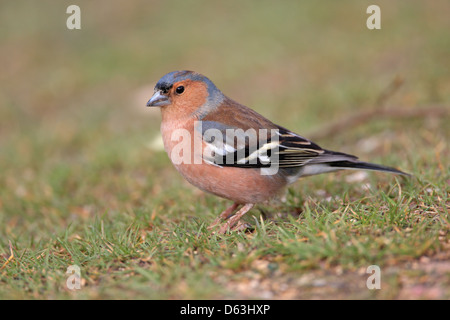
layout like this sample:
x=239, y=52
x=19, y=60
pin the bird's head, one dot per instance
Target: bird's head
x=186, y=91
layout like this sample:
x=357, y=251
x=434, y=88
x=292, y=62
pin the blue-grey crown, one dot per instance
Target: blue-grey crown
x=167, y=81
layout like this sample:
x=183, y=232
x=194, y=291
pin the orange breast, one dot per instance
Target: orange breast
x=241, y=185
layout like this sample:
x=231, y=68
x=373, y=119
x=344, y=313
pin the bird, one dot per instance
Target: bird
x=229, y=150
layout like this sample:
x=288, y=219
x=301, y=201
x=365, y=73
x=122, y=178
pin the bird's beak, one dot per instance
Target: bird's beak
x=158, y=100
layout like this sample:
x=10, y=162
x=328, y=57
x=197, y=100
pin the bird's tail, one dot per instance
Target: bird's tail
x=332, y=161
x=365, y=166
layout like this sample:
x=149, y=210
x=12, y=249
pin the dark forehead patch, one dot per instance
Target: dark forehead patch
x=164, y=86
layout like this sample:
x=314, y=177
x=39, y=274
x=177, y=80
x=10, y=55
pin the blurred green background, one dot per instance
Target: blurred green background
x=76, y=140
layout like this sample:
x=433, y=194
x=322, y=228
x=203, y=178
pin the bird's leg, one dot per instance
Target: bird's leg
x=235, y=219
x=224, y=215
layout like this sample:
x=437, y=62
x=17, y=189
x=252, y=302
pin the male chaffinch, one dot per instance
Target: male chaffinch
x=229, y=163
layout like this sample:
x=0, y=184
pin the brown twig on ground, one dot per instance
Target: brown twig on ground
x=357, y=119
x=389, y=91
x=380, y=111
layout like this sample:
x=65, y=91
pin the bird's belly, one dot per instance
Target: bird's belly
x=237, y=184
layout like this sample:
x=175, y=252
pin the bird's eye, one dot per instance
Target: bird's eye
x=179, y=90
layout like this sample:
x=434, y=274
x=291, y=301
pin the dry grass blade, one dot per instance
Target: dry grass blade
x=11, y=256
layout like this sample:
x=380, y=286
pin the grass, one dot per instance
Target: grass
x=82, y=184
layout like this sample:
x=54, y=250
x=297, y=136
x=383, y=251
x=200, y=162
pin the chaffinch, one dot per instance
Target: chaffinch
x=229, y=150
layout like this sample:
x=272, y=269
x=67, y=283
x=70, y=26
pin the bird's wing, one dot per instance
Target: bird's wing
x=237, y=136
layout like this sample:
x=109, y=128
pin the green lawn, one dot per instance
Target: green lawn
x=84, y=182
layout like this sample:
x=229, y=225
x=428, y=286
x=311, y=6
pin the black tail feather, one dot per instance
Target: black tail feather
x=365, y=166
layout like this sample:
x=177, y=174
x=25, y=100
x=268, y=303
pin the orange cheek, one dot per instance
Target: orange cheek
x=186, y=104
x=195, y=96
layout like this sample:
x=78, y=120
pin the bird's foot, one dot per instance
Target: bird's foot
x=239, y=226
x=225, y=215
x=233, y=223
